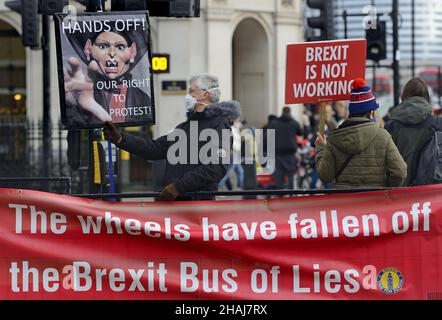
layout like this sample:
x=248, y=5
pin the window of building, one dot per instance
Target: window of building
x=12, y=73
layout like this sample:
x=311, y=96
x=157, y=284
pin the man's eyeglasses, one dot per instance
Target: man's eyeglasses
x=192, y=91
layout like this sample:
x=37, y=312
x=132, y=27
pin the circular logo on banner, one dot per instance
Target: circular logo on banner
x=390, y=280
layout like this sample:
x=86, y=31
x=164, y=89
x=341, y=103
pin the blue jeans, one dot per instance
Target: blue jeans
x=239, y=171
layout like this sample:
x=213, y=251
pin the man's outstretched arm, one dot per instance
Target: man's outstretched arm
x=146, y=148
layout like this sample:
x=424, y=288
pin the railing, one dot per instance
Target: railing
x=60, y=185
x=250, y=194
x=21, y=149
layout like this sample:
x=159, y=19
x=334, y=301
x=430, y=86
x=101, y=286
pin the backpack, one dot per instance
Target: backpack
x=420, y=147
x=429, y=166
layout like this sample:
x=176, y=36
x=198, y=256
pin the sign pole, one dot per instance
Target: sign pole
x=98, y=6
x=396, y=76
x=111, y=171
x=322, y=115
x=47, y=131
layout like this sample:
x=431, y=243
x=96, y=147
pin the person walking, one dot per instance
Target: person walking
x=359, y=153
x=235, y=164
x=412, y=125
x=286, y=128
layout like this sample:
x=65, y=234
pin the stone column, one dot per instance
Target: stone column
x=289, y=29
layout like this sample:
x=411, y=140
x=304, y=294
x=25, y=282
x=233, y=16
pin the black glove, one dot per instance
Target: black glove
x=169, y=193
x=111, y=133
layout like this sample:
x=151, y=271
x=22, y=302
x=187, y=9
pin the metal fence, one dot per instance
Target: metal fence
x=21, y=166
x=21, y=157
x=53, y=185
x=21, y=149
x=230, y=195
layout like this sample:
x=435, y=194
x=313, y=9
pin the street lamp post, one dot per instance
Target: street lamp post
x=413, y=38
x=395, y=65
x=47, y=132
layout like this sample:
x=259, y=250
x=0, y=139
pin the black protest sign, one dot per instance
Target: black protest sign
x=104, y=69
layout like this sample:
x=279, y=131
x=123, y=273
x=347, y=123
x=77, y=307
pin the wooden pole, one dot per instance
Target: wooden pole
x=322, y=115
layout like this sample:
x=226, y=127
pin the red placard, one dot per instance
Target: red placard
x=371, y=245
x=324, y=70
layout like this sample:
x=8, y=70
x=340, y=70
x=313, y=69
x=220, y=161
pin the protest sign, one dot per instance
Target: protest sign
x=104, y=69
x=368, y=245
x=324, y=70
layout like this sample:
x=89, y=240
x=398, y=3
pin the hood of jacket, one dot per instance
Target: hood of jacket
x=354, y=139
x=285, y=118
x=412, y=111
x=228, y=109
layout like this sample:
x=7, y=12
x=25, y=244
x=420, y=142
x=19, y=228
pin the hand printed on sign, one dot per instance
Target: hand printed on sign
x=79, y=89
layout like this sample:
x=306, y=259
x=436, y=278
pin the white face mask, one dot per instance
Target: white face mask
x=190, y=101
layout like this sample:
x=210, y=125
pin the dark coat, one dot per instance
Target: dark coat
x=286, y=129
x=189, y=176
x=409, y=126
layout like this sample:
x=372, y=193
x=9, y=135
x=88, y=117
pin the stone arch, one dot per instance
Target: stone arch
x=251, y=67
x=13, y=68
x=13, y=19
x=13, y=96
x=238, y=18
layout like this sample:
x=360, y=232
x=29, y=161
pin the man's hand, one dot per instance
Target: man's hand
x=79, y=89
x=321, y=140
x=169, y=193
x=111, y=133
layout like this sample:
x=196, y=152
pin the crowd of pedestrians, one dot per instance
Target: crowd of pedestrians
x=359, y=149
x=356, y=149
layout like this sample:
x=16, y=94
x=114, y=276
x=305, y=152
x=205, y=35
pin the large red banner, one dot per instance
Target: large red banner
x=374, y=245
x=324, y=70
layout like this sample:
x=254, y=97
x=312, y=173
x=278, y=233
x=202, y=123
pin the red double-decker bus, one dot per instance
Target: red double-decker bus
x=384, y=84
x=432, y=77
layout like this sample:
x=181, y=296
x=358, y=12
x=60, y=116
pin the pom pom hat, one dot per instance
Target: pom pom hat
x=362, y=100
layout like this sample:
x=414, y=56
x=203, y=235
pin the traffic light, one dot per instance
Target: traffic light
x=128, y=5
x=183, y=8
x=93, y=5
x=161, y=8
x=376, y=42
x=325, y=21
x=29, y=20
x=52, y=6
x=29, y=10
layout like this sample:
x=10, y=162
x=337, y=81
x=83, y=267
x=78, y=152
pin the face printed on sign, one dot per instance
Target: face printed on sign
x=112, y=54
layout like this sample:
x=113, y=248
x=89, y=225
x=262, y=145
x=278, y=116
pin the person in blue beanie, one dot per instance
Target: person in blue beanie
x=359, y=153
